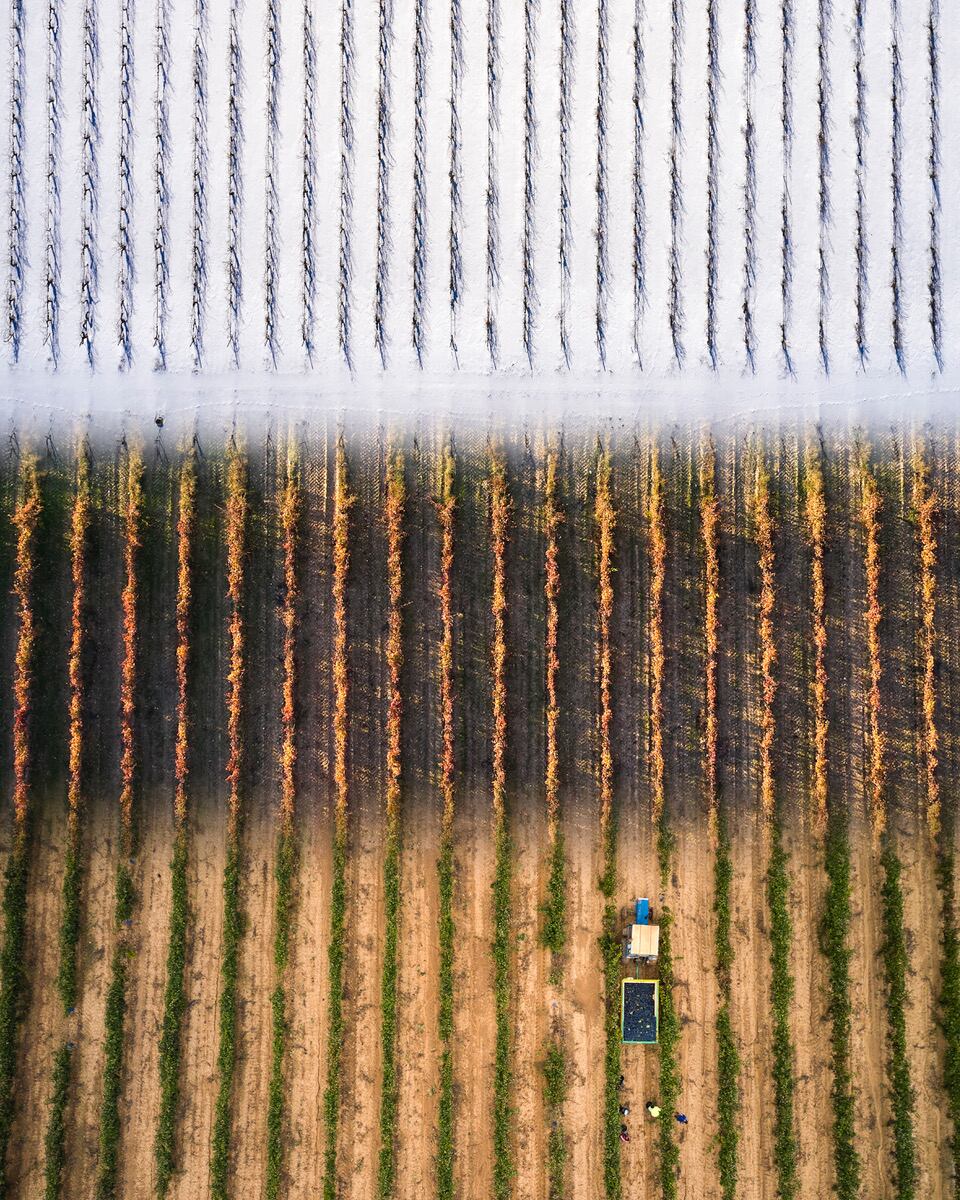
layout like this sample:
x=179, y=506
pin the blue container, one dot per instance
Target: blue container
x=643, y=912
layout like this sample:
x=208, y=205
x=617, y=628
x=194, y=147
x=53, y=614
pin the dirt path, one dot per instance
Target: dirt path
x=924, y=1039
x=44, y=1026
x=96, y=949
x=695, y=997
x=810, y=1025
x=140, y=1098
x=530, y=1027
x=198, y=1072
x=307, y=1001
x=473, y=1017
x=584, y=991
x=417, y=1038
x=868, y=1026
x=255, y=985
x=360, y=1106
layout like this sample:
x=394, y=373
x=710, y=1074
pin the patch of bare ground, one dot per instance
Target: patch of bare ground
x=473, y=1016
x=921, y=907
x=359, y=1142
x=695, y=999
x=198, y=1071
x=140, y=1097
x=256, y=979
x=306, y=999
x=44, y=1023
x=810, y=1026
x=417, y=1037
x=583, y=984
x=96, y=948
x=530, y=1028
x=868, y=1024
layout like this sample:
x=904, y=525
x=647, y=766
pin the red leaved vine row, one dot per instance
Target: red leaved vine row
x=658, y=559
x=768, y=651
x=25, y=519
x=925, y=502
x=553, y=520
x=870, y=508
x=133, y=502
x=186, y=523
x=606, y=520
x=710, y=531
x=815, y=508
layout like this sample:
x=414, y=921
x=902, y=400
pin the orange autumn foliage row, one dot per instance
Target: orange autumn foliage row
x=79, y=530
x=342, y=503
x=606, y=520
x=870, y=508
x=236, y=537
x=658, y=560
x=186, y=523
x=815, y=508
x=763, y=528
x=499, y=519
x=553, y=521
x=132, y=515
x=710, y=530
x=393, y=514
x=446, y=509
x=26, y=516
x=290, y=508
x=925, y=502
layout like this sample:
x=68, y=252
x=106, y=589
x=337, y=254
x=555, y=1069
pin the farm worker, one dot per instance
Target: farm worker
x=681, y=1118
x=624, y=1134
x=653, y=1109
x=621, y=1081
x=624, y=1110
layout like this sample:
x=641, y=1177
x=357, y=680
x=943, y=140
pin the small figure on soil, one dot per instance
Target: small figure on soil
x=681, y=1118
x=621, y=1081
x=624, y=1110
x=624, y=1134
x=653, y=1109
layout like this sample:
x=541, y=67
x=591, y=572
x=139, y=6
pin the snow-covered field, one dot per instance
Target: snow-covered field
x=738, y=200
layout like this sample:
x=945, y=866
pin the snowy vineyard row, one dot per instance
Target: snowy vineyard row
x=758, y=185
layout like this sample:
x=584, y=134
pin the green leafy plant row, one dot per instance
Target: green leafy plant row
x=503, y=1167
x=610, y=950
x=174, y=1008
x=445, y=1023
x=114, y=1020
x=388, y=1002
x=728, y=1056
x=834, y=932
x=54, y=1142
x=896, y=967
x=12, y=982
x=70, y=920
x=950, y=1004
x=555, y=1095
x=669, y=1067
x=227, y=1051
x=335, y=961
x=285, y=872
x=554, y=929
x=781, y=998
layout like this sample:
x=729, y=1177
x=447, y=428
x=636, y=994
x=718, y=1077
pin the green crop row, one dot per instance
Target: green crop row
x=950, y=1005
x=335, y=959
x=116, y=1010
x=728, y=1056
x=445, y=1023
x=54, y=1142
x=70, y=920
x=503, y=1168
x=285, y=872
x=555, y=1095
x=554, y=930
x=388, y=1003
x=781, y=997
x=227, y=1051
x=174, y=1008
x=12, y=982
x=896, y=967
x=834, y=931
x=669, y=1068
x=611, y=951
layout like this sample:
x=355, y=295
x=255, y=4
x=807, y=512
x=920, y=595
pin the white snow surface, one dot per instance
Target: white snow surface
x=655, y=56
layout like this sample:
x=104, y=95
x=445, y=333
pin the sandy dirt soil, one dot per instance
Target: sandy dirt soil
x=46, y=1025
x=529, y=1014
x=255, y=984
x=306, y=998
x=140, y=1098
x=198, y=1088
